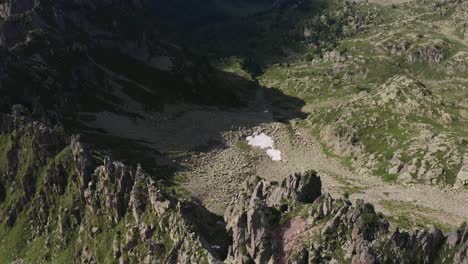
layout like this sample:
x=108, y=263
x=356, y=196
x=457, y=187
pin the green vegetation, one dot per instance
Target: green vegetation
x=367, y=54
x=302, y=210
x=368, y=216
x=246, y=150
x=408, y=216
x=340, y=58
x=243, y=146
x=348, y=187
x=57, y=193
x=16, y=237
x=5, y=146
x=238, y=67
x=384, y=135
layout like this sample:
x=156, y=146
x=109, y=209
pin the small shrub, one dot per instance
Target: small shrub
x=346, y=195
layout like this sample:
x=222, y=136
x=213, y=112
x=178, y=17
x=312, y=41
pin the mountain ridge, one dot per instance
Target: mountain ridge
x=117, y=134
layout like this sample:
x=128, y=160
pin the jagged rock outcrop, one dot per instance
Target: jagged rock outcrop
x=396, y=111
x=98, y=211
x=327, y=230
x=80, y=204
x=62, y=202
x=431, y=52
x=253, y=214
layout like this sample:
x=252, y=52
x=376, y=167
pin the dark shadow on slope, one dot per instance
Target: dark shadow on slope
x=222, y=96
x=72, y=83
x=228, y=102
x=153, y=87
x=2, y=193
x=283, y=107
x=188, y=15
x=264, y=37
x=211, y=226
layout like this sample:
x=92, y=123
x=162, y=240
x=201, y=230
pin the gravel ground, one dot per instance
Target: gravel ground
x=217, y=159
x=217, y=175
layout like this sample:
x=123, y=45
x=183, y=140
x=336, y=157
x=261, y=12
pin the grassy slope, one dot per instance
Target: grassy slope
x=271, y=47
x=65, y=211
x=324, y=87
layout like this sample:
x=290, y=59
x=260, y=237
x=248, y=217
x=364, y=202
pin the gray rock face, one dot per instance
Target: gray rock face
x=336, y=231
x=462, y=176
x=253, y=215
x=11, y=7
x=302, y=188
x=291, y=222
x=371, y=242
x=432, y=52
x=405, y=96
x=62, y=189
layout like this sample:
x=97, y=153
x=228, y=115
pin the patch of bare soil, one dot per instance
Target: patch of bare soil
x=291, y=235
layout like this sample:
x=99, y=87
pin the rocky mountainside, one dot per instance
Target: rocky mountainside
x=293, y=222
x=61, y=203
x=106, y=105
x=387, y=92
x=77, y=56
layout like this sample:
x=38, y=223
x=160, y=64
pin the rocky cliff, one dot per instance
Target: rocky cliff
x=78, y=206
x=294, y=223
x=57, y=195
x=82, y=55
x=63, y=200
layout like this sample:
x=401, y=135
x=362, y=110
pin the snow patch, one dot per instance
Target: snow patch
x=263, y=141
x=274, y=154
